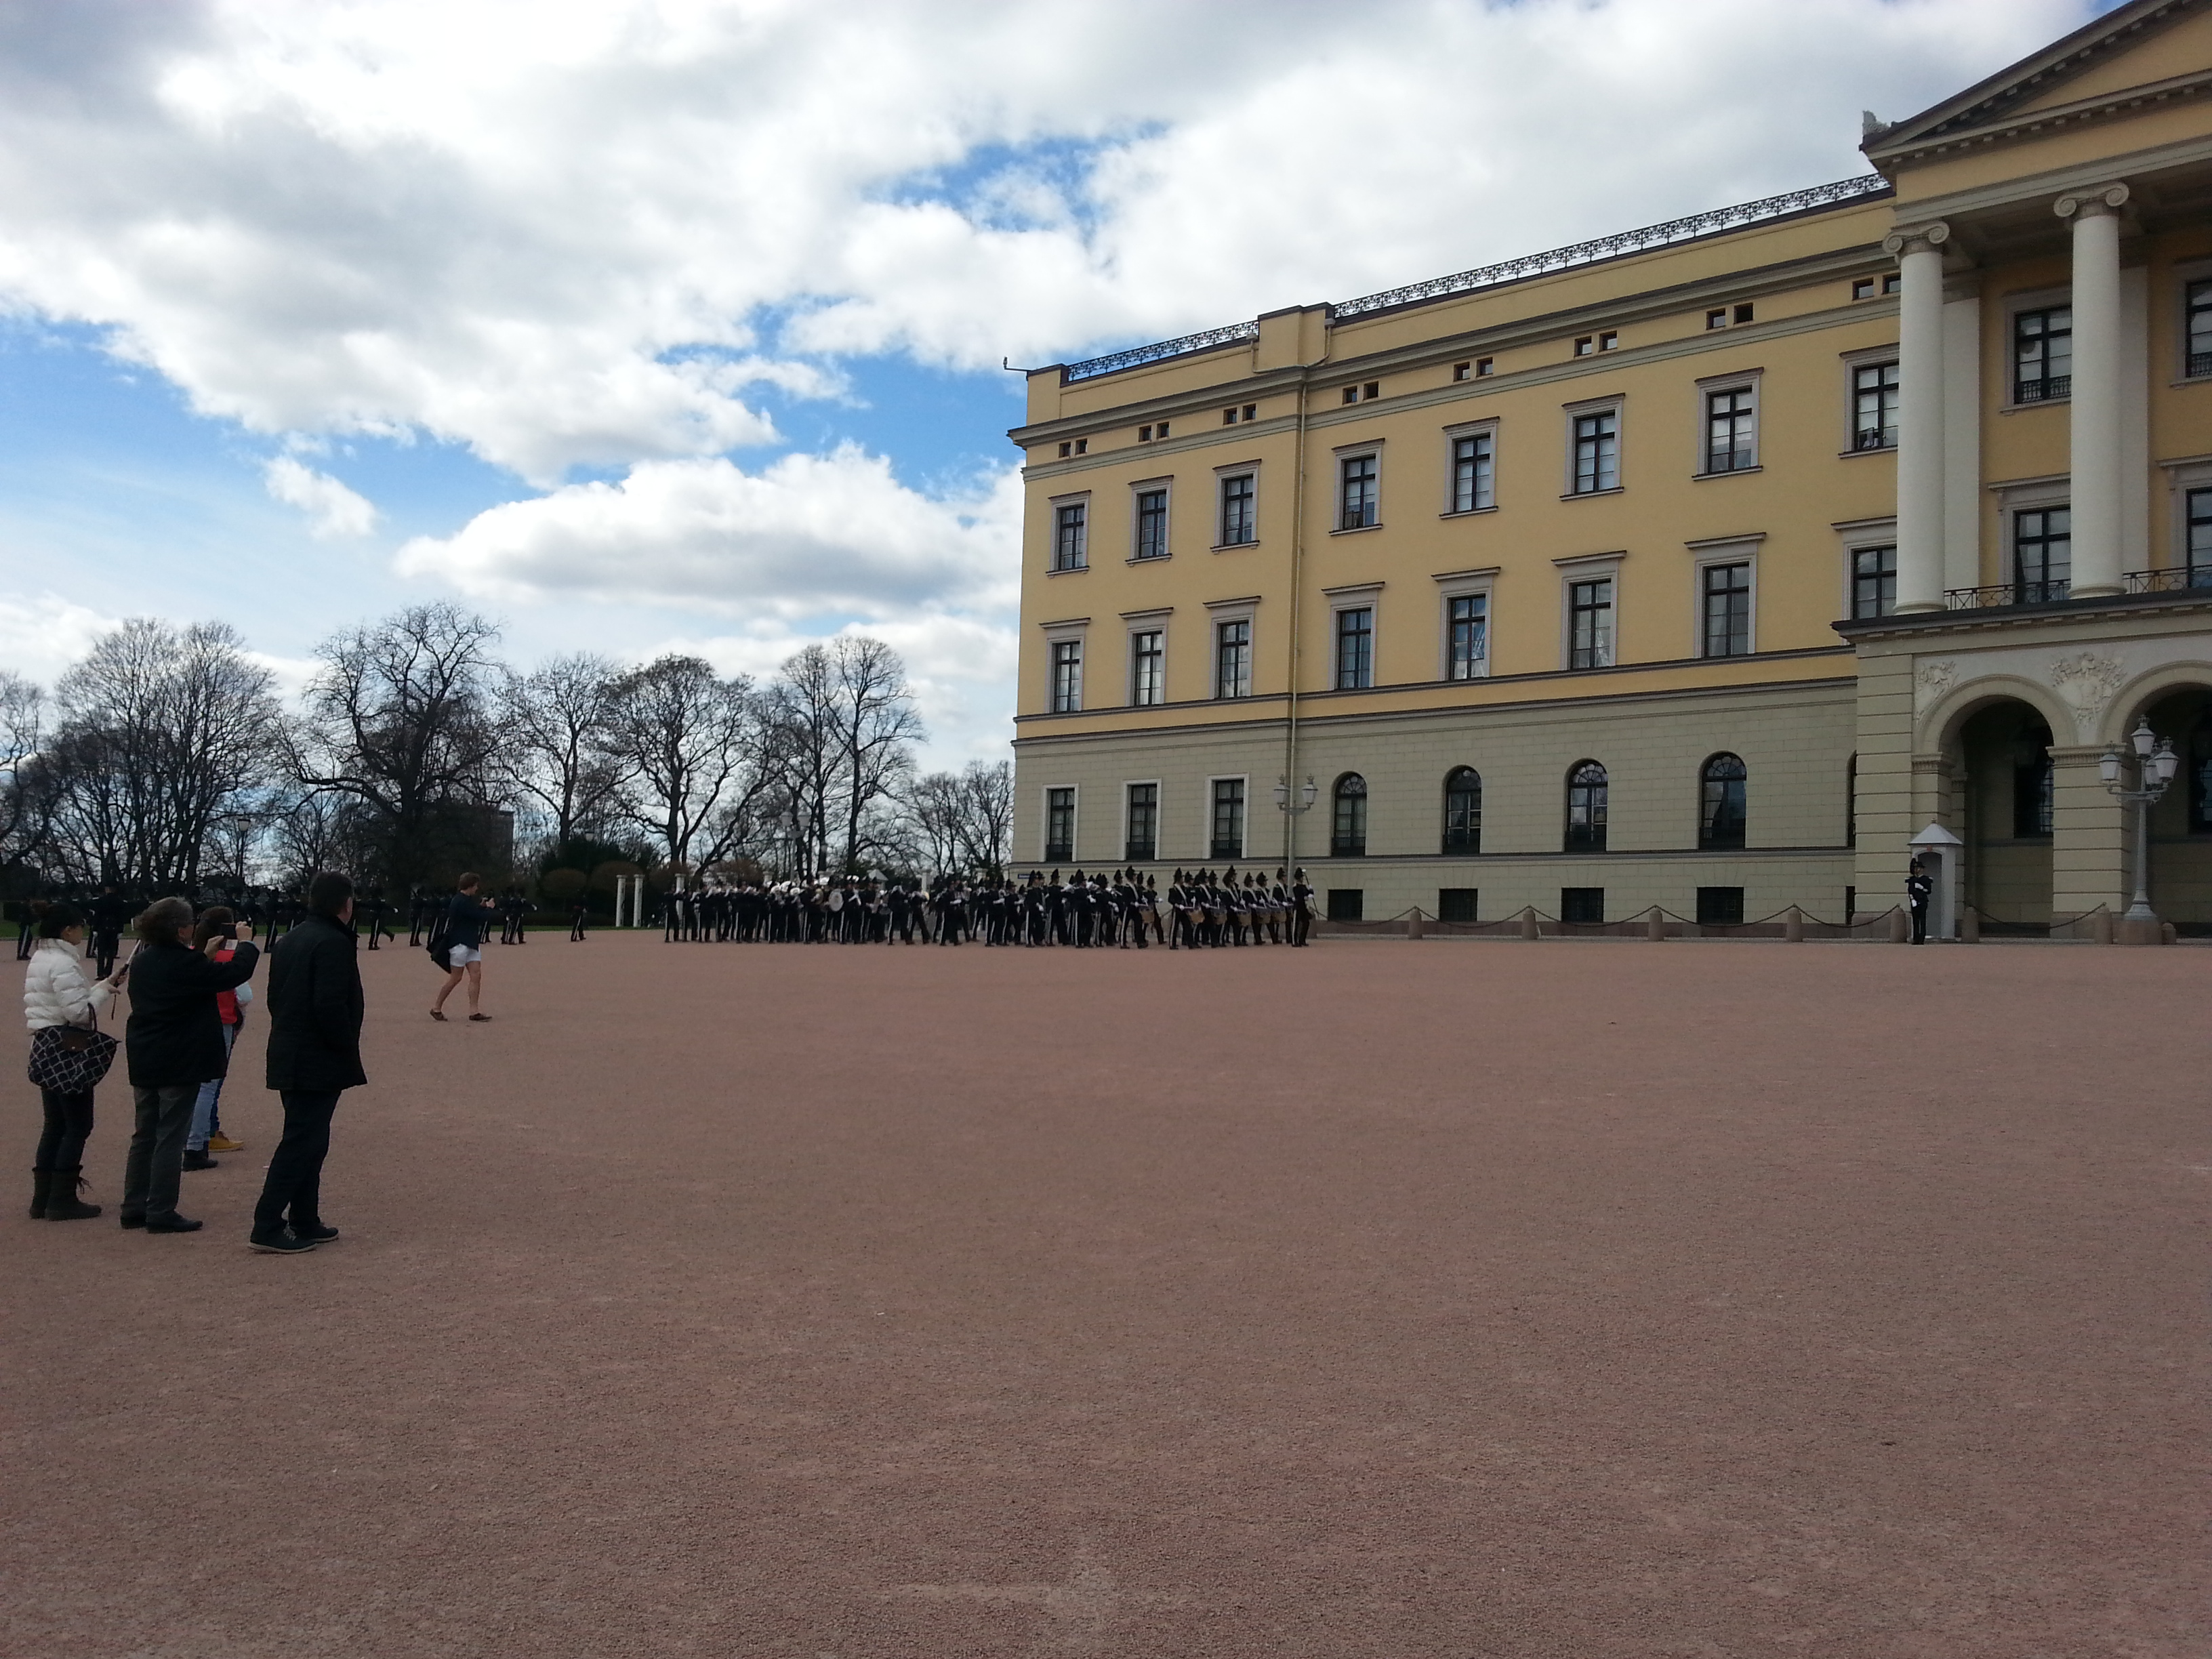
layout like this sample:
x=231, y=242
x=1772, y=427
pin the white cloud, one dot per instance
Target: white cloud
x=564, y=232
x=809, y=535
x=336, y=510
x=41, y=634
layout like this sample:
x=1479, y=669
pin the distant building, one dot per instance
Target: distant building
x=1703, y=566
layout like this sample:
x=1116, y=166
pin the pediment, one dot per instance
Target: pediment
x=2140, y=54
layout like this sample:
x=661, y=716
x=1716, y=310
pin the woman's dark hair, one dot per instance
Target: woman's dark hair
x=328, y=892
x=468, y=882
x=163, y=922
x=58, y=919
x=214, y=921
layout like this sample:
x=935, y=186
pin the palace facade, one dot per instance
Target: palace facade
x=1712, y=566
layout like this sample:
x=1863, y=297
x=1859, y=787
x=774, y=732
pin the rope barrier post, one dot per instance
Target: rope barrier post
x=1529, y=922
x=2100, y=925
x=1793, y=926
x=1970, y=926
x=1413, y=922
x=1655, y=924
x=1900, y=929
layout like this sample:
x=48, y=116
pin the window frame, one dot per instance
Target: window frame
x=2192, y=274
x=1052, y=851
x=1369, y=454
x=2015, y=511
x=1857, y=536
x=1473, y=847
x=1164, y=488
x=1225, y=614
x=1591, y=567
x=1588, y=409
x=1078, y=502
x=1742, y=383
x=1342, y=845
x=1225, y=478
x=1213, y=802
x=1140, y=624
x=1477, y=432
x=1856, y=363
x=1129, y=855
x=1064, y=690
x=1598, y=812
x=1066, y=630
x=1706, y=556
x=2016, y=306
x=1707, y=841
x=1342, y=602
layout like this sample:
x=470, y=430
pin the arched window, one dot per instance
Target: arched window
x=1586, y=807
x=1463, y=810
x=1347, y=834
x=1720, y=804
x=1852, y=803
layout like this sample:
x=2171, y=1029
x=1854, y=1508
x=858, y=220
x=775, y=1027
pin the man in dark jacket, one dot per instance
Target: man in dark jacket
x=314, y=1053
x=173, y=1043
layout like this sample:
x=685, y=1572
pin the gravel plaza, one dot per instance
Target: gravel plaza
x=1393, y=1300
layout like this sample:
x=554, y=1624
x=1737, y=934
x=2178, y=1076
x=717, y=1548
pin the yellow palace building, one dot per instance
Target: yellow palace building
x=1713, y=566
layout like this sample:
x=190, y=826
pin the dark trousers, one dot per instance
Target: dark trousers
x=154, y=1169
x=68, y=1125
x=293, y=1188
x=1920, y=924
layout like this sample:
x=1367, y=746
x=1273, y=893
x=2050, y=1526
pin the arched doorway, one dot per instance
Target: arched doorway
x=2181, y=823
x=2003, y=756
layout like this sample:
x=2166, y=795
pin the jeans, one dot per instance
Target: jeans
x=155, y=1168
x=68, y=1125
x=205, y=1122
x=295, y=1170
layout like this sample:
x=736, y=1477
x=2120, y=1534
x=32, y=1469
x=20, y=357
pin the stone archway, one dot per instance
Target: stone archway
x=2178, y=708
x=2004, y=786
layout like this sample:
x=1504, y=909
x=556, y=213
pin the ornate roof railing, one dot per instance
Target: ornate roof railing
x=1513, y=271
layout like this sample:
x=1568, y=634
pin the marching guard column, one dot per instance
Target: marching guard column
x=1919, y=255
x=2096, y=389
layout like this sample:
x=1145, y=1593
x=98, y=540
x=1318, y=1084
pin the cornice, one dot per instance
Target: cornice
x=1999, y=617
x=2036, y=124
x=2054, y=182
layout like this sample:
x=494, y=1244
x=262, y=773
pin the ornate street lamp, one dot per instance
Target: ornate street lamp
x=2155, y=765
x=1290, y=809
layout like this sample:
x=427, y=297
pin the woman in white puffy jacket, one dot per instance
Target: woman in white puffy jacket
x=55, y=992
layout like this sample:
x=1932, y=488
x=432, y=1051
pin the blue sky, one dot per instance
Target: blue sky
x=643, y=328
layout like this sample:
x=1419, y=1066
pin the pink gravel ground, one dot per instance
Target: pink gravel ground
x=1448, y=1300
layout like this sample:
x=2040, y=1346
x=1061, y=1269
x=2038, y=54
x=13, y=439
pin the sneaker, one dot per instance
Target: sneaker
x=315, y=1233
x=172, y=1223
x=223, y=1143
x=279, y=1243
x=200, y=1160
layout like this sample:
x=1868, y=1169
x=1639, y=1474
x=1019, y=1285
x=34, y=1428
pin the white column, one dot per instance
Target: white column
x=1920, y=415
x=1963, y=496
x=2096, y=389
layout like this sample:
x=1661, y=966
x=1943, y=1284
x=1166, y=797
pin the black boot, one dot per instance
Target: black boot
x=63, y=1203
x=42, y=1187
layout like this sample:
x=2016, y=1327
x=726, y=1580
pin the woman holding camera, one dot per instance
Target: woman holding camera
x=56, y=996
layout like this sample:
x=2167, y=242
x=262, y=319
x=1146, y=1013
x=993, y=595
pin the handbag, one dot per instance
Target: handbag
x=71, y=1059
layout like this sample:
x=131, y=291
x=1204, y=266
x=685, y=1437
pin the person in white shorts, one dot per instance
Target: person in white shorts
x=465, y=925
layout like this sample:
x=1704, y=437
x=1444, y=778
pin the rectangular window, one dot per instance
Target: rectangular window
x=1148, y=668
x=1874, y=582
x=1729, y=434
x=1070, y=548
x=1355, y=648
x=1058, y=825
x=1720, y=906
x=1356, y=502
x=2042, y=355
x=1227, y=841
x=1473, y=471
x=1152, y=524
x=1597, y=453
x=2200, y=329
x=1727, y=630
x=1066, y=676
x=1717, y=319
x=1462, y=371
x=1743, y=313
x=1467, y=623
x=1232, y=659
x=2043, y=554
x=1589, y=613
x=1144, y=822
x=2199, y=509
x=1239, y=510
x=1348, y=903
x=1455, y=903
x=1873, y=406
x=1144, y=434
x=1584, y=904
x=1586, y=345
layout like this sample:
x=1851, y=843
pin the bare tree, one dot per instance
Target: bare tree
x=397, y=720
x=805, y=750
x=690, y=742
x=556, y=721
x=987, y=815
x=27, y=793
x=876, y=727
x=162, y=731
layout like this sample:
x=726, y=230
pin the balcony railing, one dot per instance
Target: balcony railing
x=1730, y=460
x=2168, y=581
x=2001, y=594
x=2200, y=362
x=2046, y=390
x=1875, y=437
x=1137, y=851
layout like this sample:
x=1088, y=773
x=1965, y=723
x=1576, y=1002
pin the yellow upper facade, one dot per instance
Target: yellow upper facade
x=1658, y=465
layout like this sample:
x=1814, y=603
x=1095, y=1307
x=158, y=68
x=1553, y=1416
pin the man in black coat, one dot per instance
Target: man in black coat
x=173, y=1043
x=315, y=1009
